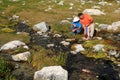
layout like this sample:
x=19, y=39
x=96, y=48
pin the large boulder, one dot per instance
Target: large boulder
x=12, y=45
x=51, y=73
x=43, y=27
x=93, y=12
x=21, y=56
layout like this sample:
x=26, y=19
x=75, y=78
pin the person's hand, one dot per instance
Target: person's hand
x=74, y=25
x=83, y=25
x=73, y=30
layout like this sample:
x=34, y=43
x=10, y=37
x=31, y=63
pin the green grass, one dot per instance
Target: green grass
x=5, y=70
x=42, y=57
x=6, y=37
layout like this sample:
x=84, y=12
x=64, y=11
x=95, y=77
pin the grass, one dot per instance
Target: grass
x=6, y=37
x=5, y=70
x=43, y=57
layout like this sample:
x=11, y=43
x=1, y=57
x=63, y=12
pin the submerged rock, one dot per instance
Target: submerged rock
x=93, y=12
x=51, y=73
x=21, y=56
x=12, y=45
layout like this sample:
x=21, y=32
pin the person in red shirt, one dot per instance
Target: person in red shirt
x=88, y=25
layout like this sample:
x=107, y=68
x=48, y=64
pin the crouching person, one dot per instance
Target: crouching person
x=88, y=25
x=76, y=26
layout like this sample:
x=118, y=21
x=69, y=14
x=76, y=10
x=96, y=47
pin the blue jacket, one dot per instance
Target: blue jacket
x=78, y=24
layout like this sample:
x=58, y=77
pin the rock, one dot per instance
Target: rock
x=118, y=65
x=65, y=43
x=93, y=12
x=112, y=52
x=99, y=38
x=15, y=17
x=71, y=4
x=69, y=19
x=43, y=27
x=21, y=27
x=77, y=48
x=25, y=33
x=51, y=73
x=57, y=35
x=70, y=40
x=24, y=72
x=64, y=21
x=21, y=56
x=117, y=11
x=12, y=45
x=116, y=25
x=71, y=8
x=49, y=8
x=103, y=26
x=39, y=32
x=61, y=3
x=96, y=7
x=102, y=3
x=98, y=47
x=82, y=2
x=50, y=45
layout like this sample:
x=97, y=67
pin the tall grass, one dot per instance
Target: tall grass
x=5, y=70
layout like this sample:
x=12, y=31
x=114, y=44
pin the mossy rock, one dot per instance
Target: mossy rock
x=7, y=30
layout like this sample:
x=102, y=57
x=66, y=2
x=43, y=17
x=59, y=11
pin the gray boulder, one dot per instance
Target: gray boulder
x=51, y=73
x=21, y=56
x=12, y=45
x=96, y=12
x=43, y=27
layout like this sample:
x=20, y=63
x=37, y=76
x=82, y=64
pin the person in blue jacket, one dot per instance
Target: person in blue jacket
x=76, y=26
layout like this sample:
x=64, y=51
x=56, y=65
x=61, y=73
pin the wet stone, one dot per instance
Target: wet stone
x=21, y=27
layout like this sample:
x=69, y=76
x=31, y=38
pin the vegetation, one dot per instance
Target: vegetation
x=5, y=70
x=42, y=57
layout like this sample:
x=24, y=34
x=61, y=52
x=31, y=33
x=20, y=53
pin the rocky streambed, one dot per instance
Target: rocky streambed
x=78, y=66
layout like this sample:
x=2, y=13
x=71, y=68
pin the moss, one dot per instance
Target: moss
x=7, y=30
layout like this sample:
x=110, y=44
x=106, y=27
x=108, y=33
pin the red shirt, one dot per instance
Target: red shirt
x=87, y=20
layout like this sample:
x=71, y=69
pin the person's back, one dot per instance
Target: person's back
x=87, y=20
